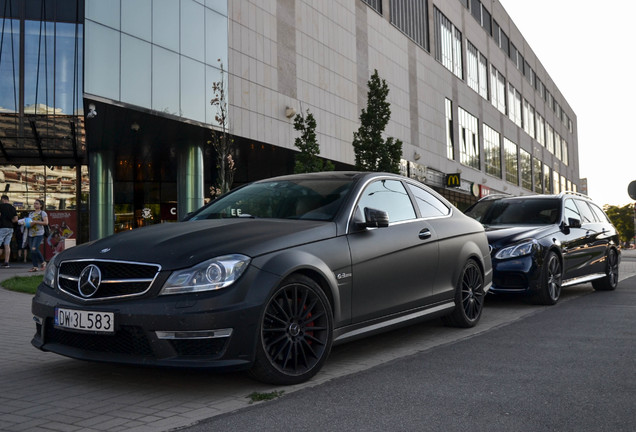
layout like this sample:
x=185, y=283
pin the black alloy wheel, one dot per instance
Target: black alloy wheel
x=295, y=334
x=469, y=297
x=551, y=278
x=610, y=281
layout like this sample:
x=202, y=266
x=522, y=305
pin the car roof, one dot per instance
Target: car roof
x=537, y=196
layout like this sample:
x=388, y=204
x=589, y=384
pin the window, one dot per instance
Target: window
x=475, y=9
x=571, y=211
x=411, y=17
x=450, y=144
x=528, y=118
x=538, y=178
x=546, y=179
x=600, y=214
x=563, y=184
x=549, y=138
x=512, y=164
x=540, y=130
x=492, y=151
x=497, y=90
x=375, y=4
x=514, y=105
x=525, y=161
x=557, y=145
x=586, y=214
x=428, y=205
x=555, y=182
x=469, y=139
x=448, y=44
x=564, y=151
x=486, y=20
x=504, y=42
x=389, y=196
x=477, y=70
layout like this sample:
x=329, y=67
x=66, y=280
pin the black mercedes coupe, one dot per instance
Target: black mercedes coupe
x=268, y=277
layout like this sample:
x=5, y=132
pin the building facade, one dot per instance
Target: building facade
x=105, y=104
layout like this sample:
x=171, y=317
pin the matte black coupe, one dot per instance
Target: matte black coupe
x=268, y=277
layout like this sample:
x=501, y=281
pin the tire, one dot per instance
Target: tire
x=469, y=297
x=610, y=281
x=550, y=282
x=295, y=333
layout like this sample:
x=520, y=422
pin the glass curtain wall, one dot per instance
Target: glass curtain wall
x=42, y=140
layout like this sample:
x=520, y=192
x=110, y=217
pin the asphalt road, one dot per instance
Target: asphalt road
x=570, y=367
x=524, y=367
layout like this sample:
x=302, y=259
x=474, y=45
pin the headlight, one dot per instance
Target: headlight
x=517, y=250
x=209, y=275
x=50, y=272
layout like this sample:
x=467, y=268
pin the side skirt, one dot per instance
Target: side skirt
x=352, y=332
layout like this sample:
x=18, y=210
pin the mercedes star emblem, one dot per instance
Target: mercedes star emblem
x=89, y=281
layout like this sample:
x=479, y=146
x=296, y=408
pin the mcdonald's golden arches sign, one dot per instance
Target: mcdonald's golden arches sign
x=453, y=180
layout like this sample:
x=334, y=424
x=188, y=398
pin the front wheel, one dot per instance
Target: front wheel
x=469, y=297
x=610, y=281
x=295, y=333
x=550, y=283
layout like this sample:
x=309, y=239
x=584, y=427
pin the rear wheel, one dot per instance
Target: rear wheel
x=610, y=281
x=469, y=297
x=550, y=284
x=295, y=333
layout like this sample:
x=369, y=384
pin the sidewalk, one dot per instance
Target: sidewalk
x=18, y=269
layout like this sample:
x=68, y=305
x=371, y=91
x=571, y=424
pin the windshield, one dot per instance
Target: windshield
x=314, y=199
x=517, y=211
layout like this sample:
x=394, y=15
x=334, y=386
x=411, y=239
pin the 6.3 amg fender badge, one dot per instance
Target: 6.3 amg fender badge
x=89, y=281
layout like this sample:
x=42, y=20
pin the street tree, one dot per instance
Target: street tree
x=308, y=160
x=222, y=141
x=623, y=219
x=372, y=151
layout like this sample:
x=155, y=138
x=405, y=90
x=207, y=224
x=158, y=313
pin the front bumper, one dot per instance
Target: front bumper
x=515, y=275
x=216, y=329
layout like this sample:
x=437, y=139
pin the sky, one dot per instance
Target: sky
x=587, y=50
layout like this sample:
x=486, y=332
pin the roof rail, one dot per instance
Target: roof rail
x=575, y=193
x=497, y=195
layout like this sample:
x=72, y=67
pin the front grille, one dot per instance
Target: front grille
x=118, y=278
x=128, y=340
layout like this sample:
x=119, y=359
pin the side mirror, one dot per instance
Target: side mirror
x=374, y=218
x=574, y=223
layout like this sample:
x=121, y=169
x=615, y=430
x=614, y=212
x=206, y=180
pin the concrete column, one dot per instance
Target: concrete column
x=189, y=179
x=102, y=215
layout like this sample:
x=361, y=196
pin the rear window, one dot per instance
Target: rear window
x=517, y=211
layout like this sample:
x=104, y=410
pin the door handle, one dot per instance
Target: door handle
x=424, y=234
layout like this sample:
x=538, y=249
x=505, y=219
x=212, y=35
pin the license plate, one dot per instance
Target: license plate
x=90, y=321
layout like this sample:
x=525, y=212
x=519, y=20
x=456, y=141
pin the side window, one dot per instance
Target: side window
x=429, y=205
x=571, y=211
x=389, y=196
x=586, y=214
x=600, y=214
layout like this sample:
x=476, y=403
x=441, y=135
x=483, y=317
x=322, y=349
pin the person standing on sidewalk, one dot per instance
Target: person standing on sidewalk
x=39, y=218
x=8, y=216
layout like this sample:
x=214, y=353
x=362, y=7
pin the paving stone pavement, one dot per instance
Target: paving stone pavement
x=46, y=392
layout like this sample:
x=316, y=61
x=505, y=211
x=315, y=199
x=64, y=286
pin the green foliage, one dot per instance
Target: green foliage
x=308, y=160
x=259, y=397
x=23, y=284
x=623, y=220
x=372, y=152
x=222, y=140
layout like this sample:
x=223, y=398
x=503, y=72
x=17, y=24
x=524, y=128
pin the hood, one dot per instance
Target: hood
x=506, y=234
x=183, y=244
